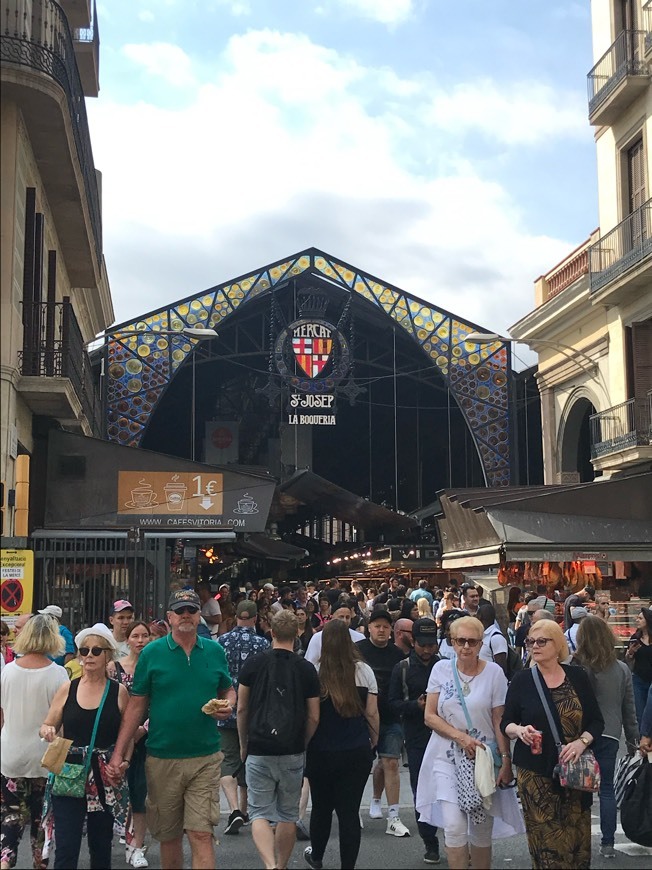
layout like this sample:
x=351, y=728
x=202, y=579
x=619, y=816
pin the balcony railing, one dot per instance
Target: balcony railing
x=56, y=350
x=35, y=34
x=647, y=25
x=623, y=247
x=622, y=427
x=624, y=58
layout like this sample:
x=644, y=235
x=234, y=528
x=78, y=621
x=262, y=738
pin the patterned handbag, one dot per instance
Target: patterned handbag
x=580, y=774
x=71, y=782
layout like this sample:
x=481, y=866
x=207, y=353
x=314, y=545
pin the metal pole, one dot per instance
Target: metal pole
x=395, y=431
x=192, y=409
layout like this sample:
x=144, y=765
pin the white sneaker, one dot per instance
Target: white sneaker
x=138, y=858
x=375, y=810
x=396, y=828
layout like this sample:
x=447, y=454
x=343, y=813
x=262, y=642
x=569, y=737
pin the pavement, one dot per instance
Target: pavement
x=377, y=850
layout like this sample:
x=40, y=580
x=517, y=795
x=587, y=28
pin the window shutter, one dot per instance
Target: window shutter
x=642, y=367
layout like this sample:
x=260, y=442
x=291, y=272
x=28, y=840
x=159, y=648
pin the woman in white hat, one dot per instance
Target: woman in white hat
x=72, y=714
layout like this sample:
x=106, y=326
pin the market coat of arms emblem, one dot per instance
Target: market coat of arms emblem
x=312, y=345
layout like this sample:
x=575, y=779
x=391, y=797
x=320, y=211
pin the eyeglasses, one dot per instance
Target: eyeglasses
x=93, y=650
x=464, y=641
x=536, y=641
x=181, y=610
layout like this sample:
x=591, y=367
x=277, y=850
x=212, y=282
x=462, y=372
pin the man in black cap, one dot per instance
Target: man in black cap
x=578, y=600
x=381, y=656
x=407, y=698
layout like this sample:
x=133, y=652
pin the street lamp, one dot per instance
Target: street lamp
x=567, y=350
x=196, y=333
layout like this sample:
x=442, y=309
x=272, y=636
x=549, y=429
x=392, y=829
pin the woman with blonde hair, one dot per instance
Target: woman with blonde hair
x=557, y=820
x=425, y=611
x=29, y=685
x=612, y=682
x=73, y=713
x=340, y=754
x=464, y=705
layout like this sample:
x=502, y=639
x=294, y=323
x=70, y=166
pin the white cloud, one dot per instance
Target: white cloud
x=389, y=12
x=163, y=60
x=521, y=113
x=237, y=8
x=289, y=145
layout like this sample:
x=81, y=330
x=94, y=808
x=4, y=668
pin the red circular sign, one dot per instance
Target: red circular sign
x=11, y=595
x=222, y=437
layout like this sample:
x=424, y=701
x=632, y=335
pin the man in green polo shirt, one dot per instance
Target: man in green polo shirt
x=178, y=674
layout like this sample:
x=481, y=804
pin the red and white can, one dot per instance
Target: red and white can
x=536, y=747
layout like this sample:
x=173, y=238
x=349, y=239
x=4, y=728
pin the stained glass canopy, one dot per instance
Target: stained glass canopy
x=143, y=356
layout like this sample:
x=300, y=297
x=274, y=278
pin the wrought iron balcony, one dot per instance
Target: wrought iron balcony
x=623, y=248
x=618, y=77
x=647, y=24
x=622, y=427
x=35, y=34
x=53, y=348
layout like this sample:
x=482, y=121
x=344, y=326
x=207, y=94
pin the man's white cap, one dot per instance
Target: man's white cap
x=52, y=610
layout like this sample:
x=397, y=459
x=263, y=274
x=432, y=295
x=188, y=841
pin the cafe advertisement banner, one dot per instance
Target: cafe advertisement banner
x=147, y=490
x=172, y=499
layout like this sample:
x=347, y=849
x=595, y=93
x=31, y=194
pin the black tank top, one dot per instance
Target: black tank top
x=78, y=722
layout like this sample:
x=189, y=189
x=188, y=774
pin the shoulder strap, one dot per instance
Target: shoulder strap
x=91, y=745
x=469, y=724
x=546, y=707
x=404, y=667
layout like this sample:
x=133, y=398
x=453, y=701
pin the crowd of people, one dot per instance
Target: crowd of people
x=284, y=696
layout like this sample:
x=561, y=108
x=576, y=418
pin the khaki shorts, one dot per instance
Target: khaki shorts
x=230, y=743
x=183, y=794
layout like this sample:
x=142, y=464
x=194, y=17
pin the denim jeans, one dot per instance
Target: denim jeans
x=605, y=750
x=641, y=689
x=69, y=816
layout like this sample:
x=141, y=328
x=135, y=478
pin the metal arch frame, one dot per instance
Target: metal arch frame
x=140, y=367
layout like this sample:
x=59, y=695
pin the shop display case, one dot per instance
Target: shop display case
x=624, y=620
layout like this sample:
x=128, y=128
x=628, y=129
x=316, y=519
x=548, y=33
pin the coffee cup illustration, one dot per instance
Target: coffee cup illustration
x=142, y=496
x=175, y=494
x=246, y=505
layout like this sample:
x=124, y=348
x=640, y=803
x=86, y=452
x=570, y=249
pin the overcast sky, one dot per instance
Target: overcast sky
x=442, y=146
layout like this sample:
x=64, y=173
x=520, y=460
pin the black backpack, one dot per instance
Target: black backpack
x=514, y=661
x=277, y=717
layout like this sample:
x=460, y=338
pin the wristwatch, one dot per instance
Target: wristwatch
x=585, y=740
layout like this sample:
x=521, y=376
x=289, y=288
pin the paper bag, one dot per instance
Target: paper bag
x=56, y=754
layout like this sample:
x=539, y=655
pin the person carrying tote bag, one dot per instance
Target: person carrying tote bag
x=87, y=711
x=557, y=820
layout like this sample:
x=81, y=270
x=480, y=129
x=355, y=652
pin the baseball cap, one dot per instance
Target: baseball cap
x=380, y=613
x=424, y=630
x=52, y=610
x=578, y=612
x=246, y=610
x=184, y=598
x=590, y=590
x=121, y=604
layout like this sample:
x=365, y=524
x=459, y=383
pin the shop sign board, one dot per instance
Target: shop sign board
x=16, y=584
x=168, y=500
x=313, y=356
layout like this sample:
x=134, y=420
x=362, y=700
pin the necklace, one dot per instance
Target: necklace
x=466, y=684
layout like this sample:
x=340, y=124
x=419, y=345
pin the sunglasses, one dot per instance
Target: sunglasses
x=536, y=641
x=181, y=610
x=93, y=650
x=463, y=641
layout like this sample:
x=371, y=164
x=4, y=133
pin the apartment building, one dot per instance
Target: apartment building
x=54, y=291
x=592, y=324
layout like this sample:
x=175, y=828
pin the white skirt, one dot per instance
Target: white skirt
x=437, y=783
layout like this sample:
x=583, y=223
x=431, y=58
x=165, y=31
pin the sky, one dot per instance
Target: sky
x=443, y=147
